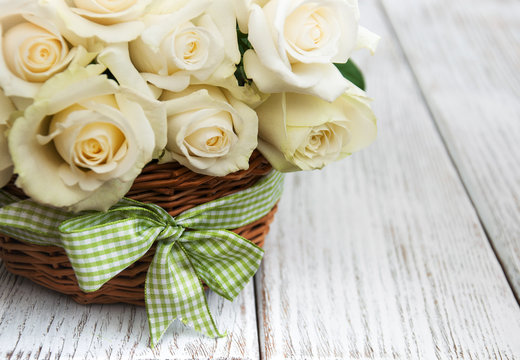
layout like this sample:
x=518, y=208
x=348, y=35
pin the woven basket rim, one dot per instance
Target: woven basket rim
x=171, y=186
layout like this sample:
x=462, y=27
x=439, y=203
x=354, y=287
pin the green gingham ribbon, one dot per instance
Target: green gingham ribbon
x=192, y=247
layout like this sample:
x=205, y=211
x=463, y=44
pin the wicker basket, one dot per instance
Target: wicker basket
x=171, y=186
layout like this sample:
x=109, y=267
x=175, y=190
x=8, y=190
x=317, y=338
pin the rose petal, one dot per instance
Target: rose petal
x=363, y=122
x=6, y=164
x=222, y=14
x=322, y=80
x=276, y=157
x=367, y=40
x=60, y=88
x=110, y=13
x=155, y=116
x=176, y=82
x=272, y=119
x=117, y=59
x=82, y=31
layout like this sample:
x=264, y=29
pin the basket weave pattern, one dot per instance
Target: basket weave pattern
x=171, y=186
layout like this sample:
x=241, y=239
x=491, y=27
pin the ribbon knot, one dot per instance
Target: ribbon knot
x=192, y=248
x=170, y=232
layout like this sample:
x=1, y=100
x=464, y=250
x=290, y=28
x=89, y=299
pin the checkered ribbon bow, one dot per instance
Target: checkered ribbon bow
x=190, y=248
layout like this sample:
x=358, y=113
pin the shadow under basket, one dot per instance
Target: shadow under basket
x=173, y=187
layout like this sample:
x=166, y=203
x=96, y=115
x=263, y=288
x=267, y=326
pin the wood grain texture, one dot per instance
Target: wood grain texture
x=38, y=323
x=383, y=256
x=466, y=57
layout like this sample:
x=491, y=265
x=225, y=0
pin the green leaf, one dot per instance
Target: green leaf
x=351, y=72
x=243, y=46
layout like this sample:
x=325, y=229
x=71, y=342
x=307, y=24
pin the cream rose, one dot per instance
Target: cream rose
x=94, y=23
x=83, y=141
x=296, y=43
x=209, y=131
x=32, y=50
x=303, y=132
x=193, y=43
x=6, y=164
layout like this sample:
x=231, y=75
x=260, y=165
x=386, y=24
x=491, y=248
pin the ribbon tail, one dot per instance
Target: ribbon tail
x=224, y=260
x=174, y=291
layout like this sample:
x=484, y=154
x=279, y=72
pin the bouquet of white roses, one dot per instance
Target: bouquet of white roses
x=91, y=91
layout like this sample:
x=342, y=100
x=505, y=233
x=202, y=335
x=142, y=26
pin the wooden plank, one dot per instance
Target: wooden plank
x=466, y=56
x=383, y=256
x=38, y=323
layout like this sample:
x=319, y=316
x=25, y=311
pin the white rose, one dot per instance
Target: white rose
x=303, y=132
x=83, y=141
x=193, y=43
x=209, y=131
x=92, y=23
x=6, y=164
x=32, y=50
x=296, y=43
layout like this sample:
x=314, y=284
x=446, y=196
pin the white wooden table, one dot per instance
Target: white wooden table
x=408, y=250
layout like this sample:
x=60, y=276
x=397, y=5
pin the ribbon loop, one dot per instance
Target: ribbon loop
x=101, y=245
x=223, y=259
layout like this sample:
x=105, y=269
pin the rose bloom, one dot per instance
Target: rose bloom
x=303, y=132
x=83, y=141
x=296, y=43
x=32, y=50
x=195, y=42
x=209, y=131
x=6, y=164
x=94, y=23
